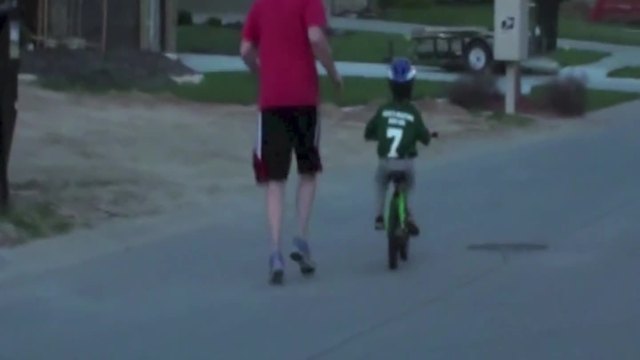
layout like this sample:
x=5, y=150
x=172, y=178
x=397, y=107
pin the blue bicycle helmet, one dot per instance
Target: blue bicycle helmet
x=401, y=70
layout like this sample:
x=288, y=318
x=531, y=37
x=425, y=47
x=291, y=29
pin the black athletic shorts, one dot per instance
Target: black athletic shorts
x=281, y=132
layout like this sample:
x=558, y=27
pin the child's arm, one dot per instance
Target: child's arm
x=371, y=131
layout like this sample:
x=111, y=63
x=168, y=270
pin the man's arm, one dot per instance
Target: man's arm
x=316, y=21
x=249, y=55
x=322, y=52
x=250, y=40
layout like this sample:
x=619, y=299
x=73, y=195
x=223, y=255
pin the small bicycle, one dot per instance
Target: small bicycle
x=396, y=219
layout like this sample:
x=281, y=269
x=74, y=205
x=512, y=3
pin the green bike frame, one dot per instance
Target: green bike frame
x=402, y=208
x=399, y=200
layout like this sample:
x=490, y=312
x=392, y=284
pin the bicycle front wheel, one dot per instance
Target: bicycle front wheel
x=393, y=226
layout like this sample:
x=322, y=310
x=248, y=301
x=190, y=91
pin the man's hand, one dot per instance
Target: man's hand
x=338, y=84
x=249, y=56
x=322, y=52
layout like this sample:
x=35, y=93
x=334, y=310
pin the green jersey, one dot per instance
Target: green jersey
x=397, y=127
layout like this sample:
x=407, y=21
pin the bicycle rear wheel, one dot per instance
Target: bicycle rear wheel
x=404, y=250
x=402, y=234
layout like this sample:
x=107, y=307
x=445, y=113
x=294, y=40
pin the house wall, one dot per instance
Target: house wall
x=158, y=25
x=123, y=23
x=131, y=24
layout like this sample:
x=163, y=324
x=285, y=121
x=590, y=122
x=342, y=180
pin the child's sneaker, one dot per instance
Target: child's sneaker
x=379, y=224
x=302, y=255
x=276, y=269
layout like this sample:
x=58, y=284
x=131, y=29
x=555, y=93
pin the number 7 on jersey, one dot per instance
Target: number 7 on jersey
x=396, y=135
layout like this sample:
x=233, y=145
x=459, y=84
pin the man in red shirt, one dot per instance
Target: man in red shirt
x=281, y=41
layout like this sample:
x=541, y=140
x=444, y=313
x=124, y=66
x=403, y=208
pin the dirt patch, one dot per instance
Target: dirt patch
x=84, y=160
x=93, y=70
x=450, y=119
x=524, y=105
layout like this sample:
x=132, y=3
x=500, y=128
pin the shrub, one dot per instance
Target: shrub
x=473, y=92
x=184, y=18
x=566, y=96
x=214, y=21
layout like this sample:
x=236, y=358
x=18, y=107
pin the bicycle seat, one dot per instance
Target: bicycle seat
x=398, y=177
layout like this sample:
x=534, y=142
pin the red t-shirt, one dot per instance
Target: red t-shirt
x=278, y=28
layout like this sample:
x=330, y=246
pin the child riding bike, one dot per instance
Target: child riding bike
x=397, y=126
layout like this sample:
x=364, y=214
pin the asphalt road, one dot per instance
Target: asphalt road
x=203, y=293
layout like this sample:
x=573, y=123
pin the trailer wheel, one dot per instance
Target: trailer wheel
x=478, y=56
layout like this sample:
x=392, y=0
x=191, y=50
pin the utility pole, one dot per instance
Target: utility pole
x=9, y=67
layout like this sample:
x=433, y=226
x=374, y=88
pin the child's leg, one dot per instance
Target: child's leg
x=381, y=185
x=411, y=179
x=408, y=167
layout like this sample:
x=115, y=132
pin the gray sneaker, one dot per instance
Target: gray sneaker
x=276, y=269
x=302, y=255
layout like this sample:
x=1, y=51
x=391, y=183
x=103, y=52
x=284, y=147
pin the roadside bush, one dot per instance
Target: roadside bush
x=473, y=92
x=214, y=21
x=184, y=18
x=90, y=70
x=566, y=96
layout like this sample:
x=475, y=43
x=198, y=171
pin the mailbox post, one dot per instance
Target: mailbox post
x=9, y=68
x=511, y=43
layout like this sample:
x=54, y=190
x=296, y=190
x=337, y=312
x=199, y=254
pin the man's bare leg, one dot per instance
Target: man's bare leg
x=306, y=196
x=275, y=210
x=305, y=199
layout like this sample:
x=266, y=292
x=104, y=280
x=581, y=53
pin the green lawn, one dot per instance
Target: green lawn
x=369, y=47
x=445, y=15
x=632, y=72
x=227, y=87
x=602, y=99
x=574, y=57
x=580, y=29
x=482, y=15
x=353, y=46
x=208, y=39
x=35, y=221
x=241, y=88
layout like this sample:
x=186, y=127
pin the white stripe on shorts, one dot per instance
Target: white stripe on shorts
x=258, y=145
